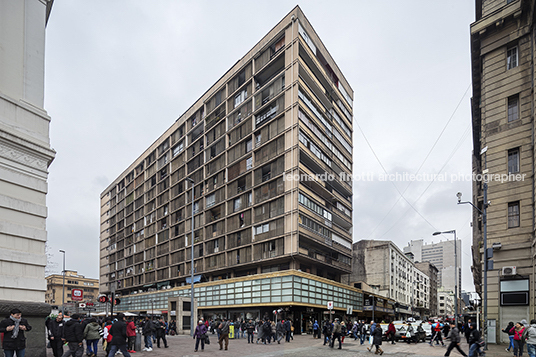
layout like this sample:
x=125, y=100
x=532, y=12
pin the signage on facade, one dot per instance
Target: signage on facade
x=77, y=294
x=349, y=310
x=81, y=305
x=330, y=305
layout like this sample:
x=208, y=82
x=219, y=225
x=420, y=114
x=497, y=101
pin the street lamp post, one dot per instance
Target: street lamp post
x=484, y=214
x=455, y=273
x=63, y=291
x=192, y=267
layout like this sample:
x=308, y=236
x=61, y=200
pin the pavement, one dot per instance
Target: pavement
x=301, y=346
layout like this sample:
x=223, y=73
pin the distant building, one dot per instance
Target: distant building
x=445, y=302
x=432, y=272
x=441, y=254
x=382, y=264
x=88, y=286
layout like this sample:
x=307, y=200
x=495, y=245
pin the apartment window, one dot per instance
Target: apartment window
x=211, y=200
x=513, y=160
x=513, y=108
x=249, y=163
x=513, y=214
x=511, y=58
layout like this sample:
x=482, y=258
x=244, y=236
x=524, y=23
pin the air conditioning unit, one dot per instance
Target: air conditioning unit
x=216, y=250
x=509, y=271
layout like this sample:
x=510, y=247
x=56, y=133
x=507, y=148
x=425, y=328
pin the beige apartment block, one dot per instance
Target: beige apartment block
x=502, y=54
x=53, y=296
x=283, y=110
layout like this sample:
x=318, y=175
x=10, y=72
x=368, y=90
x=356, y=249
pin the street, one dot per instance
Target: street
x=301, y=346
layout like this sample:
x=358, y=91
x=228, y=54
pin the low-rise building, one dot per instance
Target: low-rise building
x=445, y=302
x=87, y=287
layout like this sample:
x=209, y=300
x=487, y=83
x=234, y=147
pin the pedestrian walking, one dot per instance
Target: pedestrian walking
x=92, y=334
x=280, y=330
x=437, y=326
x=200, y=335
x=327, y=331
x=161, y=333
x=376, y=340
x=518, y=330
x=287, y=330
x=391, y=331
x=13, y=328
x=73, y=333
x=337, y=331
x=266, y=331
x=119, y=336
x=344, y=331
x=315, y=329
x=474, y=339
x=55, y=334
x=507, y=330
x=467, y=329
x=362, y=331
x=530, y=335
x=224, y=333
x=147, y=331
x=454, y=336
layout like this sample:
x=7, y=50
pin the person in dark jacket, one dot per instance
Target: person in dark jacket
x=280, y=330
x=250, y=328
x=161, y=333
x=377, y=339
x=267, y=331
x=73, y=333
x=119, y=336
x=13, y=329
x=55, y=333
x=148, y=330
x=507, y=330
x=327, y=330
x=454, y=336
x=199, y=335
x=474, y=339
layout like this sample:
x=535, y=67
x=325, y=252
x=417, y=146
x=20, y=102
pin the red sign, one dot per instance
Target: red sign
x=90, y=304
x=77, y=294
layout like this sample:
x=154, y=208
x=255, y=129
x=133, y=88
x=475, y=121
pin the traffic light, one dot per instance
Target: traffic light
x=103, y=298
x=117, y=301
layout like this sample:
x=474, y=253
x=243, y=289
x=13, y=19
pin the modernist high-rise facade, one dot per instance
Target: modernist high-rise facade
x=502, y=55
x=269, y=148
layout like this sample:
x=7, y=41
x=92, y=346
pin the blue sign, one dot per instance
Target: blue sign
x=197, y=279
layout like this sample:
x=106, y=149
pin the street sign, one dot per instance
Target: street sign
x=349, y=310
x=90, y=304
x=81, y=305
x=77, y=295
x=89, y=309
x=330, y=305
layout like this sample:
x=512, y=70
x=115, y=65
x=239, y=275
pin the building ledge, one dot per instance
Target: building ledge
x=496, y=17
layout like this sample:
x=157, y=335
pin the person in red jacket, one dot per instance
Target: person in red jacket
x=391, y=331
x=131, y=334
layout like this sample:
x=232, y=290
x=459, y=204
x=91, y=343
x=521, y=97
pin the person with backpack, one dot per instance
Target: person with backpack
x=518, y=330
x=92, y=334
x=266, y=331
x=280, y=330
x=437, y=326
x=315, y=329
x=507, y=330
x=224, y=333
x=337, y=332
x=362, y=331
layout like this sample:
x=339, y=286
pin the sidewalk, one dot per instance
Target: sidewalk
x=301, y=346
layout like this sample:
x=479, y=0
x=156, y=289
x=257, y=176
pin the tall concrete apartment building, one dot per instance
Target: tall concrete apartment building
x=261, y=145
x=502, y=56
x=25, y=155
x=441, y=254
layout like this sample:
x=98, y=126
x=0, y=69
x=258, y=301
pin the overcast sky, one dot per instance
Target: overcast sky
x=119, y=73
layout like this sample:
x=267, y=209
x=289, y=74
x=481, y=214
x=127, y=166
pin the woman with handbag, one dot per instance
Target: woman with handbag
x=200, y=335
